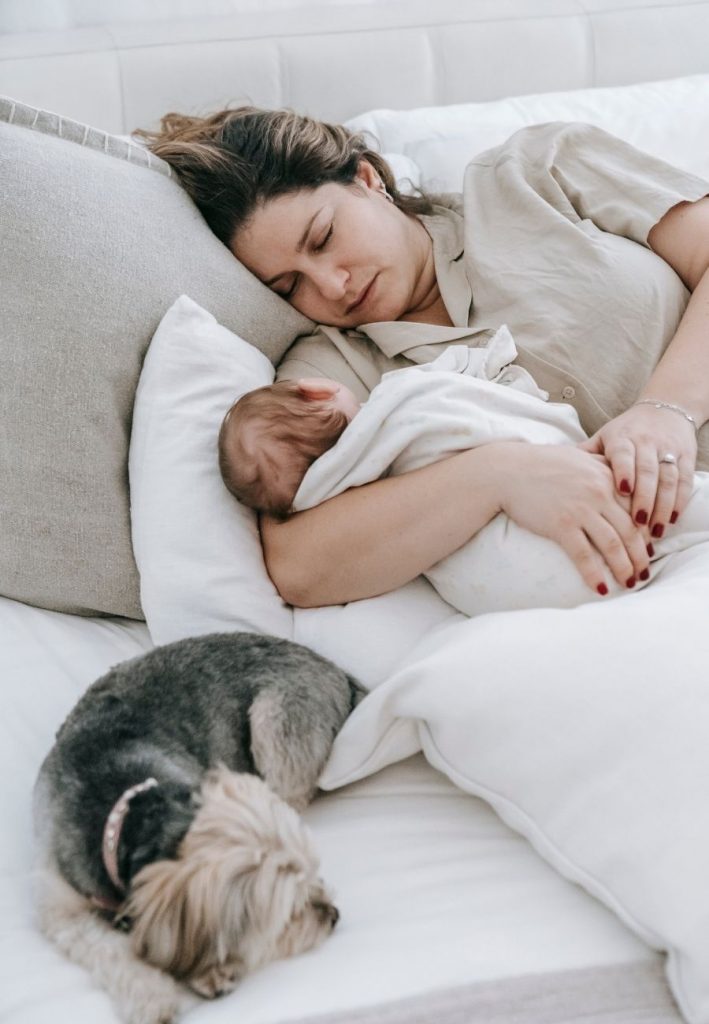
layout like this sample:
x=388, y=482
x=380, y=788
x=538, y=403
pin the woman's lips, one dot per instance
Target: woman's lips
x=358, y=303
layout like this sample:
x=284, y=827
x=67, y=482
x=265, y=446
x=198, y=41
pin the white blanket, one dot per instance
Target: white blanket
x=587, y=730
x=465, y=398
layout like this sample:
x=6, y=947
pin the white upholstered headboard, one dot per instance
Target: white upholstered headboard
x=339, y=60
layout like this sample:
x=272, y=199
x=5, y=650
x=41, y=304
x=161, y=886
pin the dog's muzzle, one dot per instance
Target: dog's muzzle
x=328, y=912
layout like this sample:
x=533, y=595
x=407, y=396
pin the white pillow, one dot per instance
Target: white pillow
x=371, y=638
x=588, y=732
x=669, y=119
x=197, y=549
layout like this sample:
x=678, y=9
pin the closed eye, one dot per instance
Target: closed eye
x=291, y=290
x=316, y=248
x=326, y=239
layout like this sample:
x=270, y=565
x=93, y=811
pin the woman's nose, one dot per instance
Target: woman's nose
x=331, y=282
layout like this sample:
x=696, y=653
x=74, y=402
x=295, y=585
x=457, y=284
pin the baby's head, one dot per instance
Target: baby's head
x=270, y=437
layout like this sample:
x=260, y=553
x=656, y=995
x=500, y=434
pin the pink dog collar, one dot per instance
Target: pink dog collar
x=112, y=835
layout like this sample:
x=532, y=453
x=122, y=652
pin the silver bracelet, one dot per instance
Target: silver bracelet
x=668, y=405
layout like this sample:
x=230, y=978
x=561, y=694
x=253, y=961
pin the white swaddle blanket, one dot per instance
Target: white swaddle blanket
x=465, y=398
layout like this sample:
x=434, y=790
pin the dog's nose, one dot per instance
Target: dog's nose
x=329, y=913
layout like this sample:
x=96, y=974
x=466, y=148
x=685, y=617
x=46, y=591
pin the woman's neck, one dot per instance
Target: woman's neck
x=428, y=307
x=433, y=312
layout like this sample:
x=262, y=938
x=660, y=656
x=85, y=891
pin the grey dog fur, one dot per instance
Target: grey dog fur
x=254, y=703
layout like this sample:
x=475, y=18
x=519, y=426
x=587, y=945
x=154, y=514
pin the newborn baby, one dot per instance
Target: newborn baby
x=295, y=444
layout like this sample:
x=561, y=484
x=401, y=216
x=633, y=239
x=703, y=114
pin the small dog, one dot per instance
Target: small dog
x=166, y=809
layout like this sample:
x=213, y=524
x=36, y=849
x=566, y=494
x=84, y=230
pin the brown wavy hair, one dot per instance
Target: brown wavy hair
x=234, y=160
x=280, y=415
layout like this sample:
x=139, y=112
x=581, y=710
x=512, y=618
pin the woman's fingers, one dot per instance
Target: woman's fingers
x=665, y=498
x=623, y=462
x=685, y=487
x=602, y=546
x=635, y=445
x=621, y=545
x=599, y=548
x=647, y=475
x=662, y=494
x=632, y=540
x=591, y=564
x=569, y=496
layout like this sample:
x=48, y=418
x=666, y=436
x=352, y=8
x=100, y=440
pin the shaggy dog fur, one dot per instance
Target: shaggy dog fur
x=217, y=874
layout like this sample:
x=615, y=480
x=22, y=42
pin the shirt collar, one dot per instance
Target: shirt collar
x=445, y=226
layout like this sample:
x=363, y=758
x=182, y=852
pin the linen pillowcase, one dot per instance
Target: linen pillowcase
x=98, y=240
x=586, y=730
x=198, y=550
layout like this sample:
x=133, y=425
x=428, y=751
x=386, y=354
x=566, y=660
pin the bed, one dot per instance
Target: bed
x=451, y=910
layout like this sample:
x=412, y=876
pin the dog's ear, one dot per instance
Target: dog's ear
x=168, y=929
x=156, y=823
x=188, y=914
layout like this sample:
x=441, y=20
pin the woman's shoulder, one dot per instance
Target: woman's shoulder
x=547, y=139
x=444, y=202
x=346, y=356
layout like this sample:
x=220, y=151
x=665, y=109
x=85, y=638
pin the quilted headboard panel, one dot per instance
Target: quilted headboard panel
x=336, y=61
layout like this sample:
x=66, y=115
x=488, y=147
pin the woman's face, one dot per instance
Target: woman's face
x=342, y=255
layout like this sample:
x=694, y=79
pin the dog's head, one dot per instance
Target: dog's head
x=243, y=890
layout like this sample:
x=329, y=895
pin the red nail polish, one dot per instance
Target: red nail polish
x=645, y=575
x=657, y=530
x=624, y=487
x=641, y=517
x=674, y=517
x=650, y=550
x=602, y=589
x=631, y=582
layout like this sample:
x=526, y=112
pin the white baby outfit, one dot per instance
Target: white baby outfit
x=464, y=398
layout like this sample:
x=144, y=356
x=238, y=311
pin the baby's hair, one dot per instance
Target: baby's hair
x=281, y=414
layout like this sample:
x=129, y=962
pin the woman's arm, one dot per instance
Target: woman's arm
x=374, y=538
x=634, y=442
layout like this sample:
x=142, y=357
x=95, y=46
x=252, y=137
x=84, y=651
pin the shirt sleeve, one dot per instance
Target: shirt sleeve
x=619, y=188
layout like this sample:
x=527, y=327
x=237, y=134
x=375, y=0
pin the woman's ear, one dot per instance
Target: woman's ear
x=368, y=175
x=317, y=389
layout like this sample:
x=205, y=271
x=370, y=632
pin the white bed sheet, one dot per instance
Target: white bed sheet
x=434, y=890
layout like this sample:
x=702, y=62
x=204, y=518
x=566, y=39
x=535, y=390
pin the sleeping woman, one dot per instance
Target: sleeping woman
x=596, y=255
x=295, y=444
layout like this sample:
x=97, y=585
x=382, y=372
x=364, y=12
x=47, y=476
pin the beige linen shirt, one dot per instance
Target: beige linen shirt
x=550, y=237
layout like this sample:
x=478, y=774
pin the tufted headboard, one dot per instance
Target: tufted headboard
x=339, y=60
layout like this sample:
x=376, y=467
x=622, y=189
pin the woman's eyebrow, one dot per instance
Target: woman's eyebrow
x=299, y=247
x=304, y=236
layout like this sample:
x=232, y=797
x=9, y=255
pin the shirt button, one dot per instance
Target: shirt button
x=568, y=392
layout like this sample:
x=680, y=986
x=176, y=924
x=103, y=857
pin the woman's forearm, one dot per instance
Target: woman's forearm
x=652, y=450
x=682, y=374
x=681, y=238
x=374, y=538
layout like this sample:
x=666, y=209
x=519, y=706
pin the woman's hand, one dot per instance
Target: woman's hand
x=568, y=495
x=634, y=445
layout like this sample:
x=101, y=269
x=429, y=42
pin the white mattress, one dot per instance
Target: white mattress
x=434, y=891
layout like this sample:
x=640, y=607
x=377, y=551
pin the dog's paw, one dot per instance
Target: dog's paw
x=153, y=999
x=217, y=981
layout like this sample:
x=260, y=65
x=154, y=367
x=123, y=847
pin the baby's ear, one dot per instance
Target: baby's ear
x=316, y=388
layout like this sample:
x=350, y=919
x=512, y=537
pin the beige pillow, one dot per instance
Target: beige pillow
x=97, y=242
